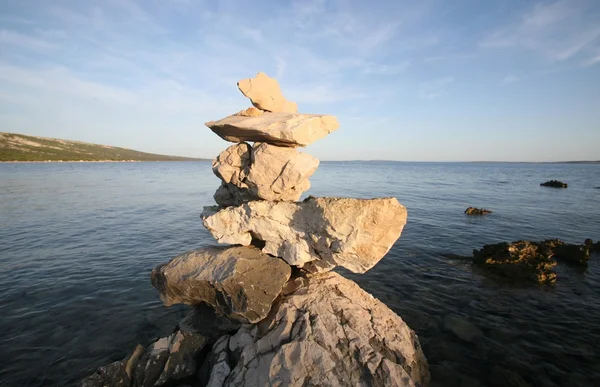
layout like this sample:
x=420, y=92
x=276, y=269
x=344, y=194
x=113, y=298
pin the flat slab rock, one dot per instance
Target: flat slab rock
x=240, y=282
x=281, y=129
x=327, y=333
x=262, y=172
x=317, y=234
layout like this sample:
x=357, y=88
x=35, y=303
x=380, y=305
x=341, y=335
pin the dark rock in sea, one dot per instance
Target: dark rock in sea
x=477, y=211
x=594, y=247
x=554, y=184
x=520, y=261
x=462, y=328
x=569, y=253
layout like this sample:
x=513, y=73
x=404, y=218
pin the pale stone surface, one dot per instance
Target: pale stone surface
x=316, y=234
x=263, y=171
x=327, y=333
x=240, y=282
x=281, y=129
x=250, y=112
x=265, y=94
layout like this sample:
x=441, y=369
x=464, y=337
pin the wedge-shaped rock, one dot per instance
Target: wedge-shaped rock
x=236, y=281
x=328, y=333
x=316, y=234
x=265, y=94
x=281, y=129
x=264, y=172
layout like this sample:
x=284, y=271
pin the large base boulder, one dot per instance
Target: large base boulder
x=317, y=234
x=240, y=282
x=327, y=333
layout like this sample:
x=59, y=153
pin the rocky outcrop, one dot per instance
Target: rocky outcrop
x=265, y=94
x=237, y=281
x=569, y=253
x=554, y=184
x=281, y=129
x=168, y=361
x=477, y=211
x=518, y=261
x=530, y=261
x=327, y=333
x=317, y=234
x=593, y=247
x=269, y=312
x=262, y=172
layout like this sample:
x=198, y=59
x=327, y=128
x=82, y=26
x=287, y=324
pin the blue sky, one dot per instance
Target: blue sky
x=430, y=80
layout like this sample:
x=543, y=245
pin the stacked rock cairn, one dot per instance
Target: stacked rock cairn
x=266, y=308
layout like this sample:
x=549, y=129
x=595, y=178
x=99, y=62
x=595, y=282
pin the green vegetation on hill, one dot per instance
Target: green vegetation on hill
x=19, y=147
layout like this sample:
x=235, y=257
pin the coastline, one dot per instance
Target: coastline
x=96, y=161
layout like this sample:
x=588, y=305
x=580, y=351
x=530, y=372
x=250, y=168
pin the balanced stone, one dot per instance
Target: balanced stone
x=264, y=171
x=281, y=129
x=327, y=333
x=316, y=234
x=265, y=94
x=236, y=281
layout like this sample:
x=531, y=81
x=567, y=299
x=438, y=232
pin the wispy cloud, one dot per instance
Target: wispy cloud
x=434, y=88
x=510, y=78
x=558, y=30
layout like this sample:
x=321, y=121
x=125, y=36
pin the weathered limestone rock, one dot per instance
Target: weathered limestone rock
x=517, y=261
x=236, y=281
x=265, y=94
x=281, y=129
x=203, y=320
x=327, y=333
x=250, y=112
x=262, y=172
x=316, y=234
x=167, y=360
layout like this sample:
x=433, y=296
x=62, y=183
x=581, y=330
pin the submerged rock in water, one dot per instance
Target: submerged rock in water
x=262, y=172
x=462, y=328
x=241, y=282
x=518, y=261
x=477, y=211
x=327, y=333
x=317, y=234
x=554, y=184
x=281, y=129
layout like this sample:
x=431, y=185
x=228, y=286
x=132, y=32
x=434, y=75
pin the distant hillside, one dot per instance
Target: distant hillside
x=18, y=147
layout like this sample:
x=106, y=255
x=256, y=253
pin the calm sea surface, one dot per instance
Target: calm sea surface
x=78, y=241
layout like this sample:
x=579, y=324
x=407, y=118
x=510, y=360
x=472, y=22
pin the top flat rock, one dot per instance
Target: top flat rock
x=281, y=129
x=265, y=94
